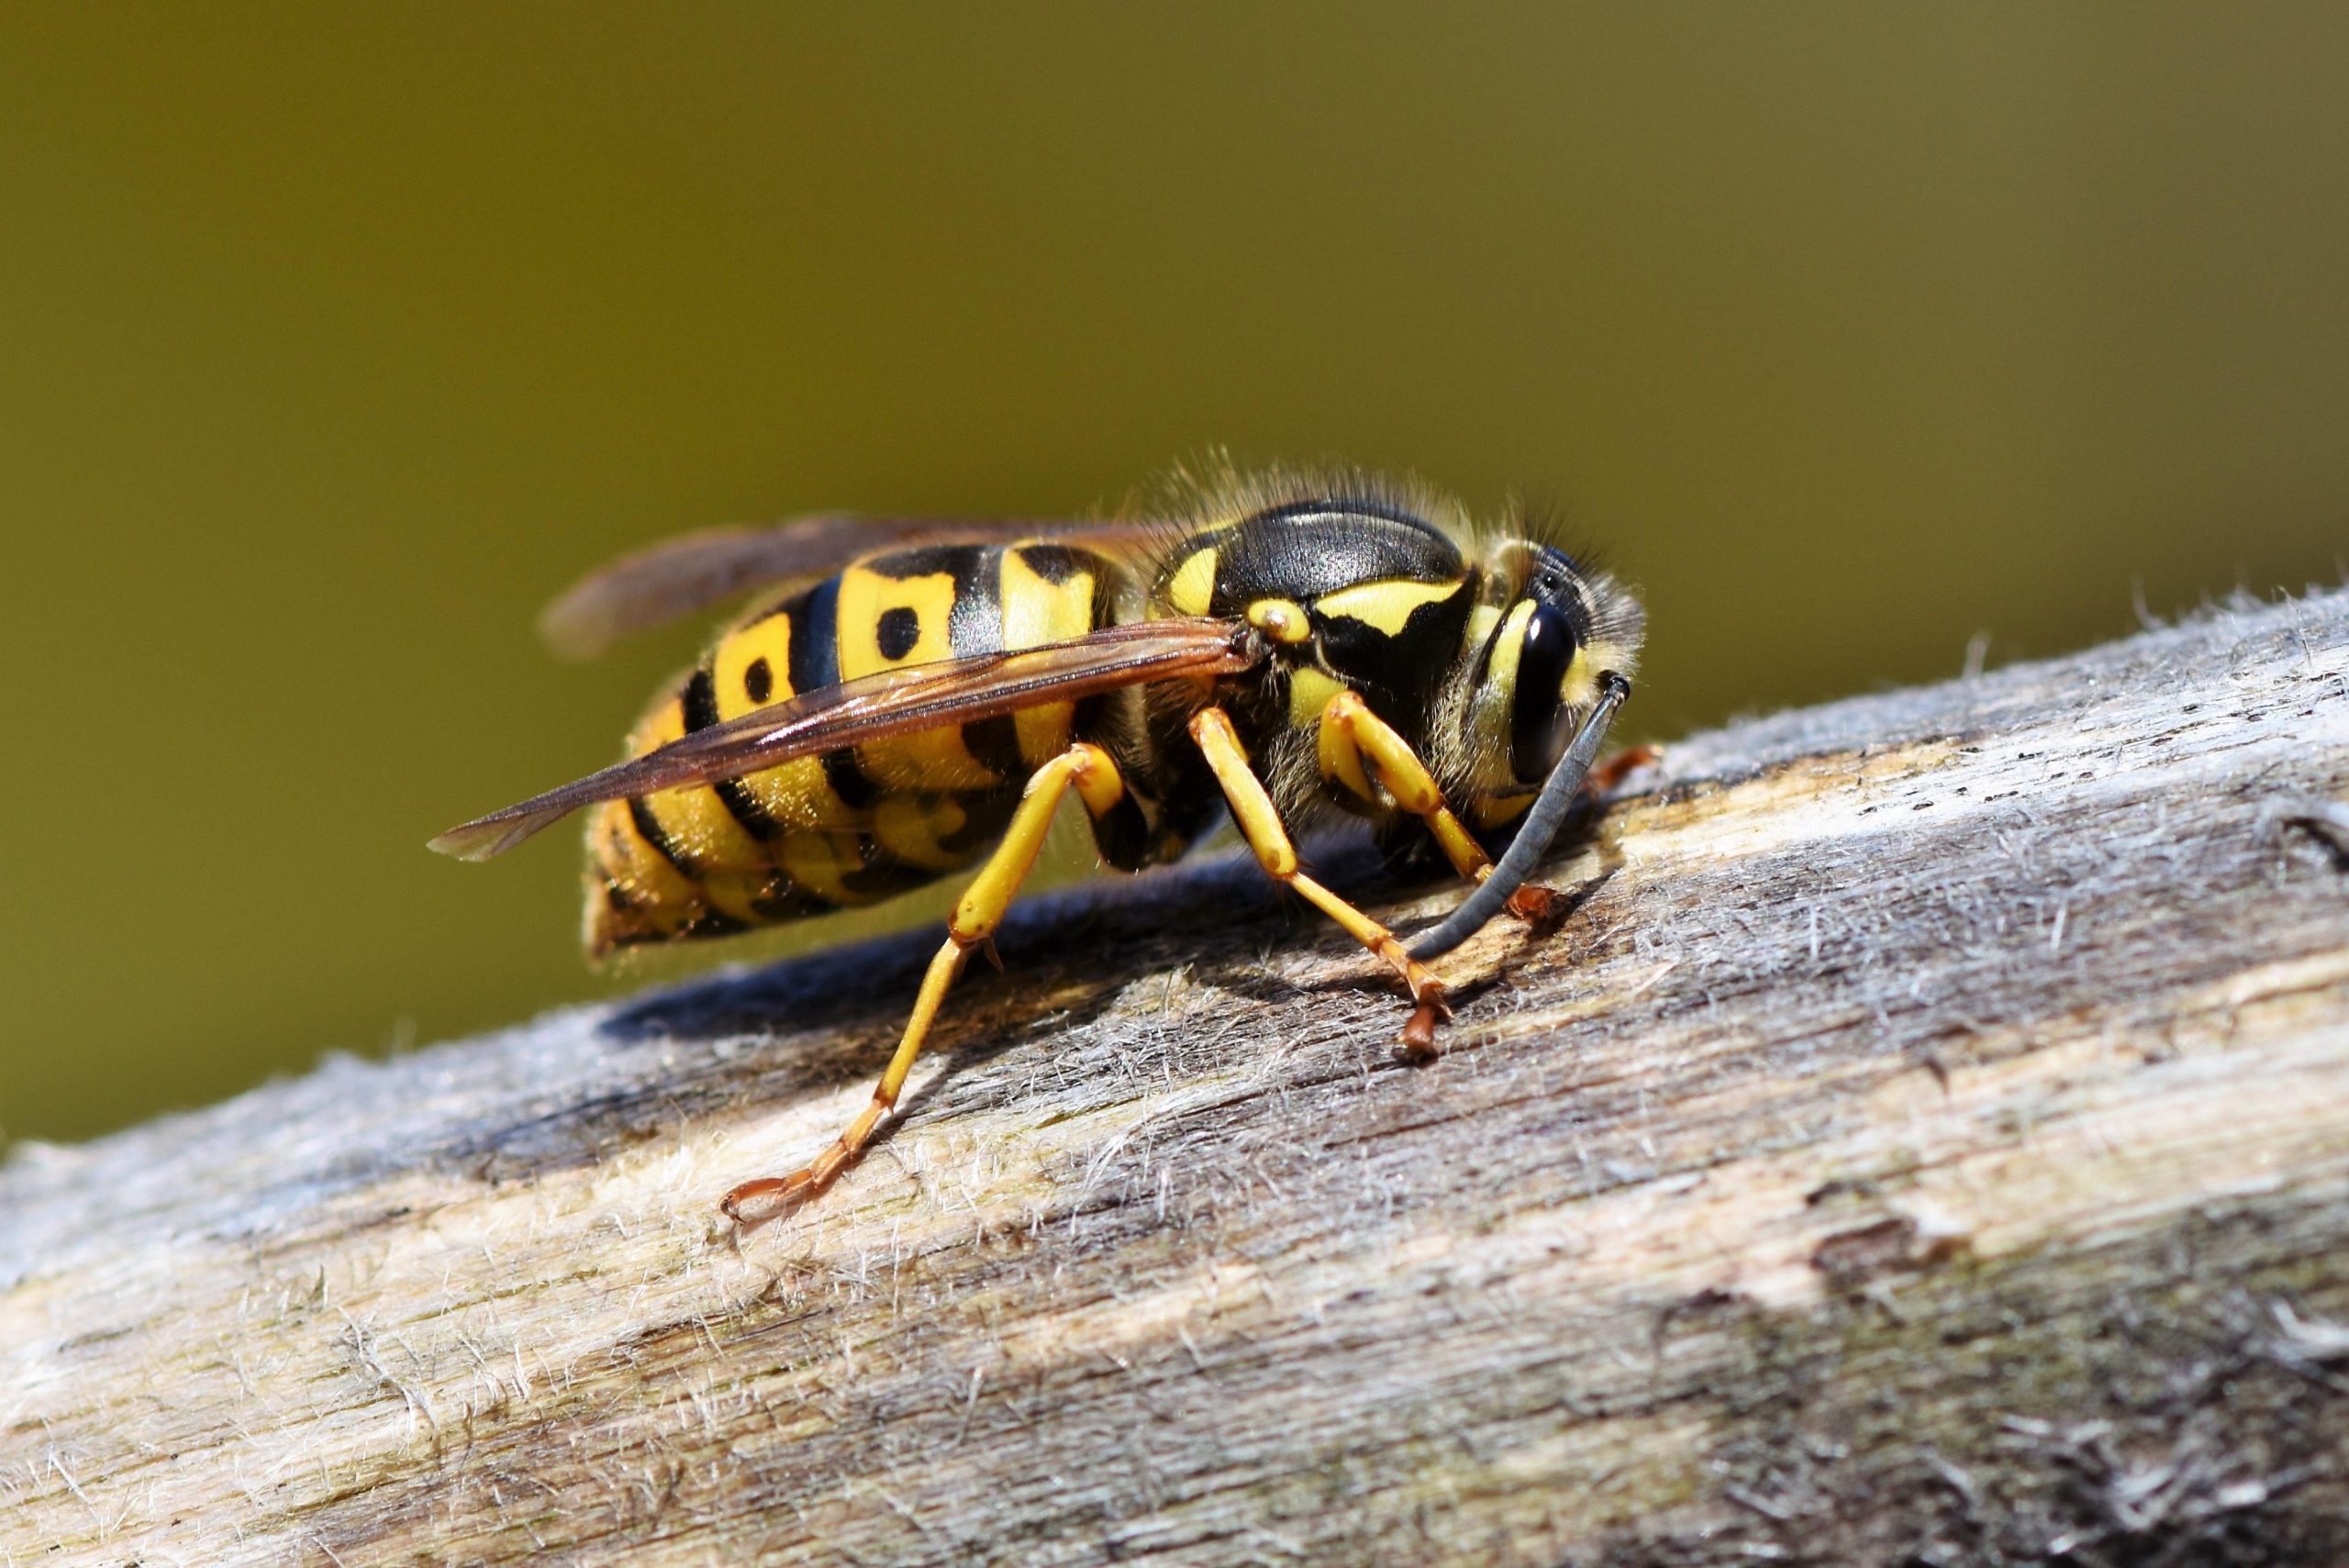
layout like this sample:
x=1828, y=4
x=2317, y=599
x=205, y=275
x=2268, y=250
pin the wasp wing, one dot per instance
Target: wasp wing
x=695, y=571
x=894, y=702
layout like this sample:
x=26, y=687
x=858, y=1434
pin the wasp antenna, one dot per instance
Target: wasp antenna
x=1541, y=825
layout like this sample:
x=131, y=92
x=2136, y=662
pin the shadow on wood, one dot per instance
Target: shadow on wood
x=1929, y=1145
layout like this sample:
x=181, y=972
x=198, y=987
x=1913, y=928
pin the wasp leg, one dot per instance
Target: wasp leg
x=1614, y=770
x=1351, y=736
x=981, y=909
x=1260, y=824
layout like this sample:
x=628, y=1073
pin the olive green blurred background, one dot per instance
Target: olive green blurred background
x=336, y=339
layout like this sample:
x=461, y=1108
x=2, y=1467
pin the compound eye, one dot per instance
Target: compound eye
x=1538, y=719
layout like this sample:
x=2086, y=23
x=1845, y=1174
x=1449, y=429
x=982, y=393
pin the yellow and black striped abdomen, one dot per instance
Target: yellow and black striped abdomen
x=858, y=825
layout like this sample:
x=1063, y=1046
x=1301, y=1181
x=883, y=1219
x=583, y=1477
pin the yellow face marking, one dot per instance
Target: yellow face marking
x=1035, y=611
x=1481, y=622
x=1501, y=675
x=1309, y=692
x=1384, y=606
x=1580, y=686
x=1192, y=588
x=1283, y=620
x=1582, y=675
x=1497, y=809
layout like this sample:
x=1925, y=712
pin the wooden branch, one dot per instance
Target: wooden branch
x=1927, y=1142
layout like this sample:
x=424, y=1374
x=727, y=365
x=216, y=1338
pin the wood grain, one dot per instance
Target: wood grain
x=1926, y=1140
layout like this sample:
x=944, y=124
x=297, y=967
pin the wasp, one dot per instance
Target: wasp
x=913, y=697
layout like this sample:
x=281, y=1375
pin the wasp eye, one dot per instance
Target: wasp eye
x=1539, y=718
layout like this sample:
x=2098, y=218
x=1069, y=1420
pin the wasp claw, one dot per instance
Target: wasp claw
x=774, y=1193
x=1417, y=1042
x=1535, y=904
x=1612, y=770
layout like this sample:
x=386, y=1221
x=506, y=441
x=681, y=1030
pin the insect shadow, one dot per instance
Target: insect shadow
x=832, y=1016
x=1102, y=927
x=1211, y=913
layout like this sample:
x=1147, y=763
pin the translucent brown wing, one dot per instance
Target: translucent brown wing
x=894, y=701
x=695, y=571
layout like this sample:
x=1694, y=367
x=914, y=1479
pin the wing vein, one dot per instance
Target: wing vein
x=875, y=707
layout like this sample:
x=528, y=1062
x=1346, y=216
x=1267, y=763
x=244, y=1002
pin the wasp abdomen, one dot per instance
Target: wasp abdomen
x=858, y=825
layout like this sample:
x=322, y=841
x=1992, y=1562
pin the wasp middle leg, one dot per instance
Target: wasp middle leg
x=1090, y=772
x=1260, y=824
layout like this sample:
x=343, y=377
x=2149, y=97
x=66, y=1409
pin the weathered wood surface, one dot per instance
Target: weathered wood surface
x=1928, y=1142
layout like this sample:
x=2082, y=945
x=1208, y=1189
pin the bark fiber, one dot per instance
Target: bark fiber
x=1925, y=1142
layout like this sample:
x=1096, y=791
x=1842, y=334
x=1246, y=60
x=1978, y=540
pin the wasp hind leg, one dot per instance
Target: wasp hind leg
x=1089, y=771
x=1260, y=824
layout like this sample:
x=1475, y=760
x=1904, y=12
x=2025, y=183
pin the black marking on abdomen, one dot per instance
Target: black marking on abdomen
x=882, y=874
x=700, y=699
x=993, y=744
x=649, y=827
x=784, y=899
x=816, y=664
x=983, y=819
x=850, y=782
x=708, y=922
x=922, y=560
x=1055, y=563
x=899, y=631
x=701, y=712
x=977, y=624
x=978, y=627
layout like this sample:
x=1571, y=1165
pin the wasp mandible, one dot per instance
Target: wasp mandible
x=913, y=695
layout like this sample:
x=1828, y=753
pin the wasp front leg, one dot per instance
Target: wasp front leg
x=1260, y=824
x=1355, y=744
x=1090, y=772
